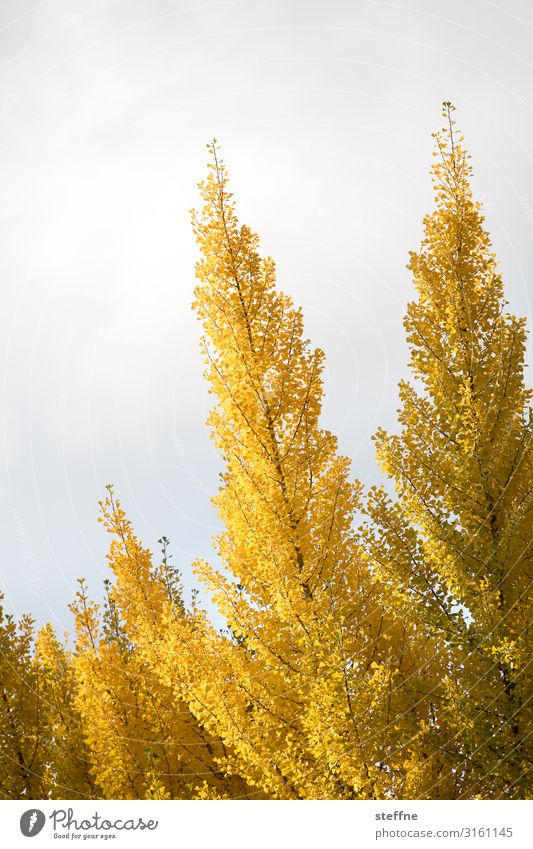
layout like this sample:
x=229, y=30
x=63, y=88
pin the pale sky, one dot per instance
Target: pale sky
x=324, y=111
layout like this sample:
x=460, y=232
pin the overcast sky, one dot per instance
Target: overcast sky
x=325, y=112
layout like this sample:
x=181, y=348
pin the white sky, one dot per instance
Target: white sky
x=325, y=112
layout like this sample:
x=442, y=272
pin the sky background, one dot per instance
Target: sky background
x=324, y=111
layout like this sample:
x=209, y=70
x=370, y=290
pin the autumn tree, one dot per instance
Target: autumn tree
x=68, y=766
x=311, y=687
x=454, y=543
x=21, y=722
x=42, y=753
x=143, y=741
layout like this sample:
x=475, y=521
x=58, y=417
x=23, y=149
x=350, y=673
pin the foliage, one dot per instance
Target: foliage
x=380, y=657
x=457, y=538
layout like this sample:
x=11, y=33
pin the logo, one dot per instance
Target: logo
x=32, y=822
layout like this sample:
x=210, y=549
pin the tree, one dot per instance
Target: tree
x=41, y=748
x=68, y=767
x=22, y=724
x=143, y=740
x=455, y=542
x=310, y=688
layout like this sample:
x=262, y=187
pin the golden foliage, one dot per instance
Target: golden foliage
x=457, y=537
x=376, y=644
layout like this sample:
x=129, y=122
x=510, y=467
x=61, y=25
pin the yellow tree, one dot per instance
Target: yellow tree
x=312, y=686
x=454, y=544
x=68, y=768
x=22, y=715
x=41, y=750
x=143, y=741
